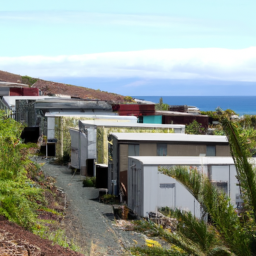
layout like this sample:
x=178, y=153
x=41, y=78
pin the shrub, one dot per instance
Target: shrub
x=195, y=128
x=128, y=99
x=28, y=80
x=89, y=182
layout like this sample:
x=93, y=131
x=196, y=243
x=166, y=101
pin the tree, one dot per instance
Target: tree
x=161, y=105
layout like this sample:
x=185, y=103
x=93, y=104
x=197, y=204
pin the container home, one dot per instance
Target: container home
x=59, y=123
x=122, y=145
x=58, y=115
x=148, y=189
x=100, y=138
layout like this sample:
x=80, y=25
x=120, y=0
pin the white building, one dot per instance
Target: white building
x=148, y=189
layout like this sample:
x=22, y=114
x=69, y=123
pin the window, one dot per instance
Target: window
x=162, y=149
x=133, y=150
x=210, y=151
x=222, y=186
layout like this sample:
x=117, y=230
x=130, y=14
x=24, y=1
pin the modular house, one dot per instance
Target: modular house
x=148, y=189
x=59, y=123
x=122, y=145
x=60, y=114
x=95, y=135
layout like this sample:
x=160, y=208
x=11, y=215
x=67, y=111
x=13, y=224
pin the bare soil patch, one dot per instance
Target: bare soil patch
x=15, y=240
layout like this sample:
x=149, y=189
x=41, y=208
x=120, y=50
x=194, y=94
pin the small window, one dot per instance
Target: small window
x=162, y=149
x=210, y=151
x=222, y=186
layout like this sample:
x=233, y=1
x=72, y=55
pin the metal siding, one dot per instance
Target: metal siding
x=50, y=127
x=83, y=152
x=74, y=149
x=4, y=91
x=234, y=189
x=92, y=151
x=129, y=183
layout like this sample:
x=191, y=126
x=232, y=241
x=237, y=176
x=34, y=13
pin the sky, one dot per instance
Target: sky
x=140, y=47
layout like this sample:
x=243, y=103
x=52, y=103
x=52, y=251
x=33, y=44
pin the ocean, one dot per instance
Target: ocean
x=240, y=104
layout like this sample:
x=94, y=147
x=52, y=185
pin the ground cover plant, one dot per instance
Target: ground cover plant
x=27, y=197
x=226, y=232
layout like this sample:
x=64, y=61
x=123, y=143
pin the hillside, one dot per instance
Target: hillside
x=49, y=87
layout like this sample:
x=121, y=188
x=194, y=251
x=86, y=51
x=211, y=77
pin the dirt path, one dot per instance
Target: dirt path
x=87, y=221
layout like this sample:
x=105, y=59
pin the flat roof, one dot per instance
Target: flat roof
x=107, y=124
x=91, y=114
x=63, y=103
x=181, y=160
x=11, y=84
x=10, y=100
x=176, y=113
x=179, y=137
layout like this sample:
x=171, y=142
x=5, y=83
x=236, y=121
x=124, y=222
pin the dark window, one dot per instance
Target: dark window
x=133, y=150
x=210, y=151
x=222, y=186
x=162, y=149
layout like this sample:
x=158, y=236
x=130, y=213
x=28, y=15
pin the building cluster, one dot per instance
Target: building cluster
x=124, y=145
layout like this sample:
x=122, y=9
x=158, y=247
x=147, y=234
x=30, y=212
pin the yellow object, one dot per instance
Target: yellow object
x=152, y=243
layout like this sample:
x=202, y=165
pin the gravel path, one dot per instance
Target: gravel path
x=87, y=221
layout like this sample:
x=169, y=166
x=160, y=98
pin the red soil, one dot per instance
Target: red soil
x=15, y=240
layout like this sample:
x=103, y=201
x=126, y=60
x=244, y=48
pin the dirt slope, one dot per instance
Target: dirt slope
x=48, y=87
x=15, y=240
x=9, y=77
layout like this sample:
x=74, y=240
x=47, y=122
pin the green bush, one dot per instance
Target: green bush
x=28, y=80
x=195, y=128
x=128, y=99
x=89, y=182
x=19, y=197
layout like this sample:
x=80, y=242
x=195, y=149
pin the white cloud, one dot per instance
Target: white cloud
x=191, y=25
x=209, y=63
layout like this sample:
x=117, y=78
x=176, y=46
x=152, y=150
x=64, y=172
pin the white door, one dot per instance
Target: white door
x=167, y=195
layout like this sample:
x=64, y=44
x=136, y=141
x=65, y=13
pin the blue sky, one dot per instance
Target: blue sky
x=140, y=47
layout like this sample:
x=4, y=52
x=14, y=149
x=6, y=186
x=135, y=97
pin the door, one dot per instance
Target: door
x=167, y=195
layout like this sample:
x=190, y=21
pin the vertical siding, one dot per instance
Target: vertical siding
x=185, y=150
x=123, y=155
x=223, y=150
x=148, y=149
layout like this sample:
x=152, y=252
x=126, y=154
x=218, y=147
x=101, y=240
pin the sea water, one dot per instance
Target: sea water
x=240, y=104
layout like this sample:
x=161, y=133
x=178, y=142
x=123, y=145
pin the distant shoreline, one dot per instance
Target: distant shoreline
x=242, y=105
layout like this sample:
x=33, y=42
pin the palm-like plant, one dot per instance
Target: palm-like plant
x=227, y=233
x=236, y=233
